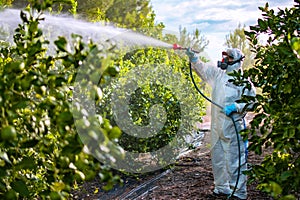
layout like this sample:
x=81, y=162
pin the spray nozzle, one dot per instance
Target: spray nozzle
x=178, y=47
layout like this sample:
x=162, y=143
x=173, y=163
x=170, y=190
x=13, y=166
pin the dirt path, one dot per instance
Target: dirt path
x=191, y=178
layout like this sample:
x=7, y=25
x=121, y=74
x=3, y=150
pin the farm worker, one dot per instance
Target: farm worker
x=224, y=142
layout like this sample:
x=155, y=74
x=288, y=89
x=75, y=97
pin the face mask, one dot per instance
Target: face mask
x=224, y=63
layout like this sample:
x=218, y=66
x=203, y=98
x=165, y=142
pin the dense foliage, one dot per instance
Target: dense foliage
x=40, y=150
x=276, y=124
x=41, y=153
x=164, y=65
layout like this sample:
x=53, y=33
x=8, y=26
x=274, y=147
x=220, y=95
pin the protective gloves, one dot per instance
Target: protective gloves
x=192, y=55
x=230, y=109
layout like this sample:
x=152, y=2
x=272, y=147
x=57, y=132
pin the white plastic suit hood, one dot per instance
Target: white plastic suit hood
x=235, y=54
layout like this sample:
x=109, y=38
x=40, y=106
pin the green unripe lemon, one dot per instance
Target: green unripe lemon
x=115, y=132
x=11, y=194
x=8, y=133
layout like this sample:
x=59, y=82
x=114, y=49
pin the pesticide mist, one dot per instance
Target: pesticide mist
x=63, y=25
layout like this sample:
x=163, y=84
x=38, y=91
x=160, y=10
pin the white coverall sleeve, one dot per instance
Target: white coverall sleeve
x=207, y=73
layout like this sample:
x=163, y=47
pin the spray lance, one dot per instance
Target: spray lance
x=178, y=47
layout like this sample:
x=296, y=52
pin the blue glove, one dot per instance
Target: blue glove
x=192, y=55
x=229, y=109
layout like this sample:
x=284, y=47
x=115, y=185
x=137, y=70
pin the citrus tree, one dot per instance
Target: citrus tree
x=276, y=124
x=153, y=77
x=41, y=153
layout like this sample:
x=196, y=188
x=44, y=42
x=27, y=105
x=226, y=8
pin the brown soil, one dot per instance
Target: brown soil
x=192, y=178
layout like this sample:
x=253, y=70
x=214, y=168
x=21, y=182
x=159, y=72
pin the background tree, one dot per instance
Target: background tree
x=128, y=13
x=5, y=3
x=136, y=15
x=237, y=39
x=59, y=6
x=194, y=40
x=16, y=4
x=276, y=124
x=93, y=10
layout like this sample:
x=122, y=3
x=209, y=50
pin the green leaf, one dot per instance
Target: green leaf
x=114, y=133
x=65, y=118
x=71, y=150
x=288, y=197
x=295, y=44
x=29, y=143
x=263, y=25
x=61, y=44
x=58, y=186
x=288, y=88
x=4, y=156
x=21, y=188
x=275, y=188
x=23, y=17
x=27, y=163
x=285, y=175
x=266, y=108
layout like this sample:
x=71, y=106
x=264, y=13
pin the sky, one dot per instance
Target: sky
x=214, y=18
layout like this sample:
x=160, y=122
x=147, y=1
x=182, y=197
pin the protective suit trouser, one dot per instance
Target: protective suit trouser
x=225, y=163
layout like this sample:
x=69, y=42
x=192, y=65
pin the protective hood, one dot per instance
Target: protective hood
x=236, y=54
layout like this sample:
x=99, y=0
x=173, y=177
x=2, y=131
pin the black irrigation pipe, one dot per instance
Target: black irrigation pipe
x=135, y=193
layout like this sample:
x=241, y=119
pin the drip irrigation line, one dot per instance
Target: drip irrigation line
x=145, y=185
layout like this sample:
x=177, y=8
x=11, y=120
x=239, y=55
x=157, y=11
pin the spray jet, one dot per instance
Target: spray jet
x=178, y=47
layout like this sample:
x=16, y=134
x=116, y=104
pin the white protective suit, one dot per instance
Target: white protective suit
x=224, y=144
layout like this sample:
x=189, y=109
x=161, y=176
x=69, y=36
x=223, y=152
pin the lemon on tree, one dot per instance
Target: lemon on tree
x=8, y=133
